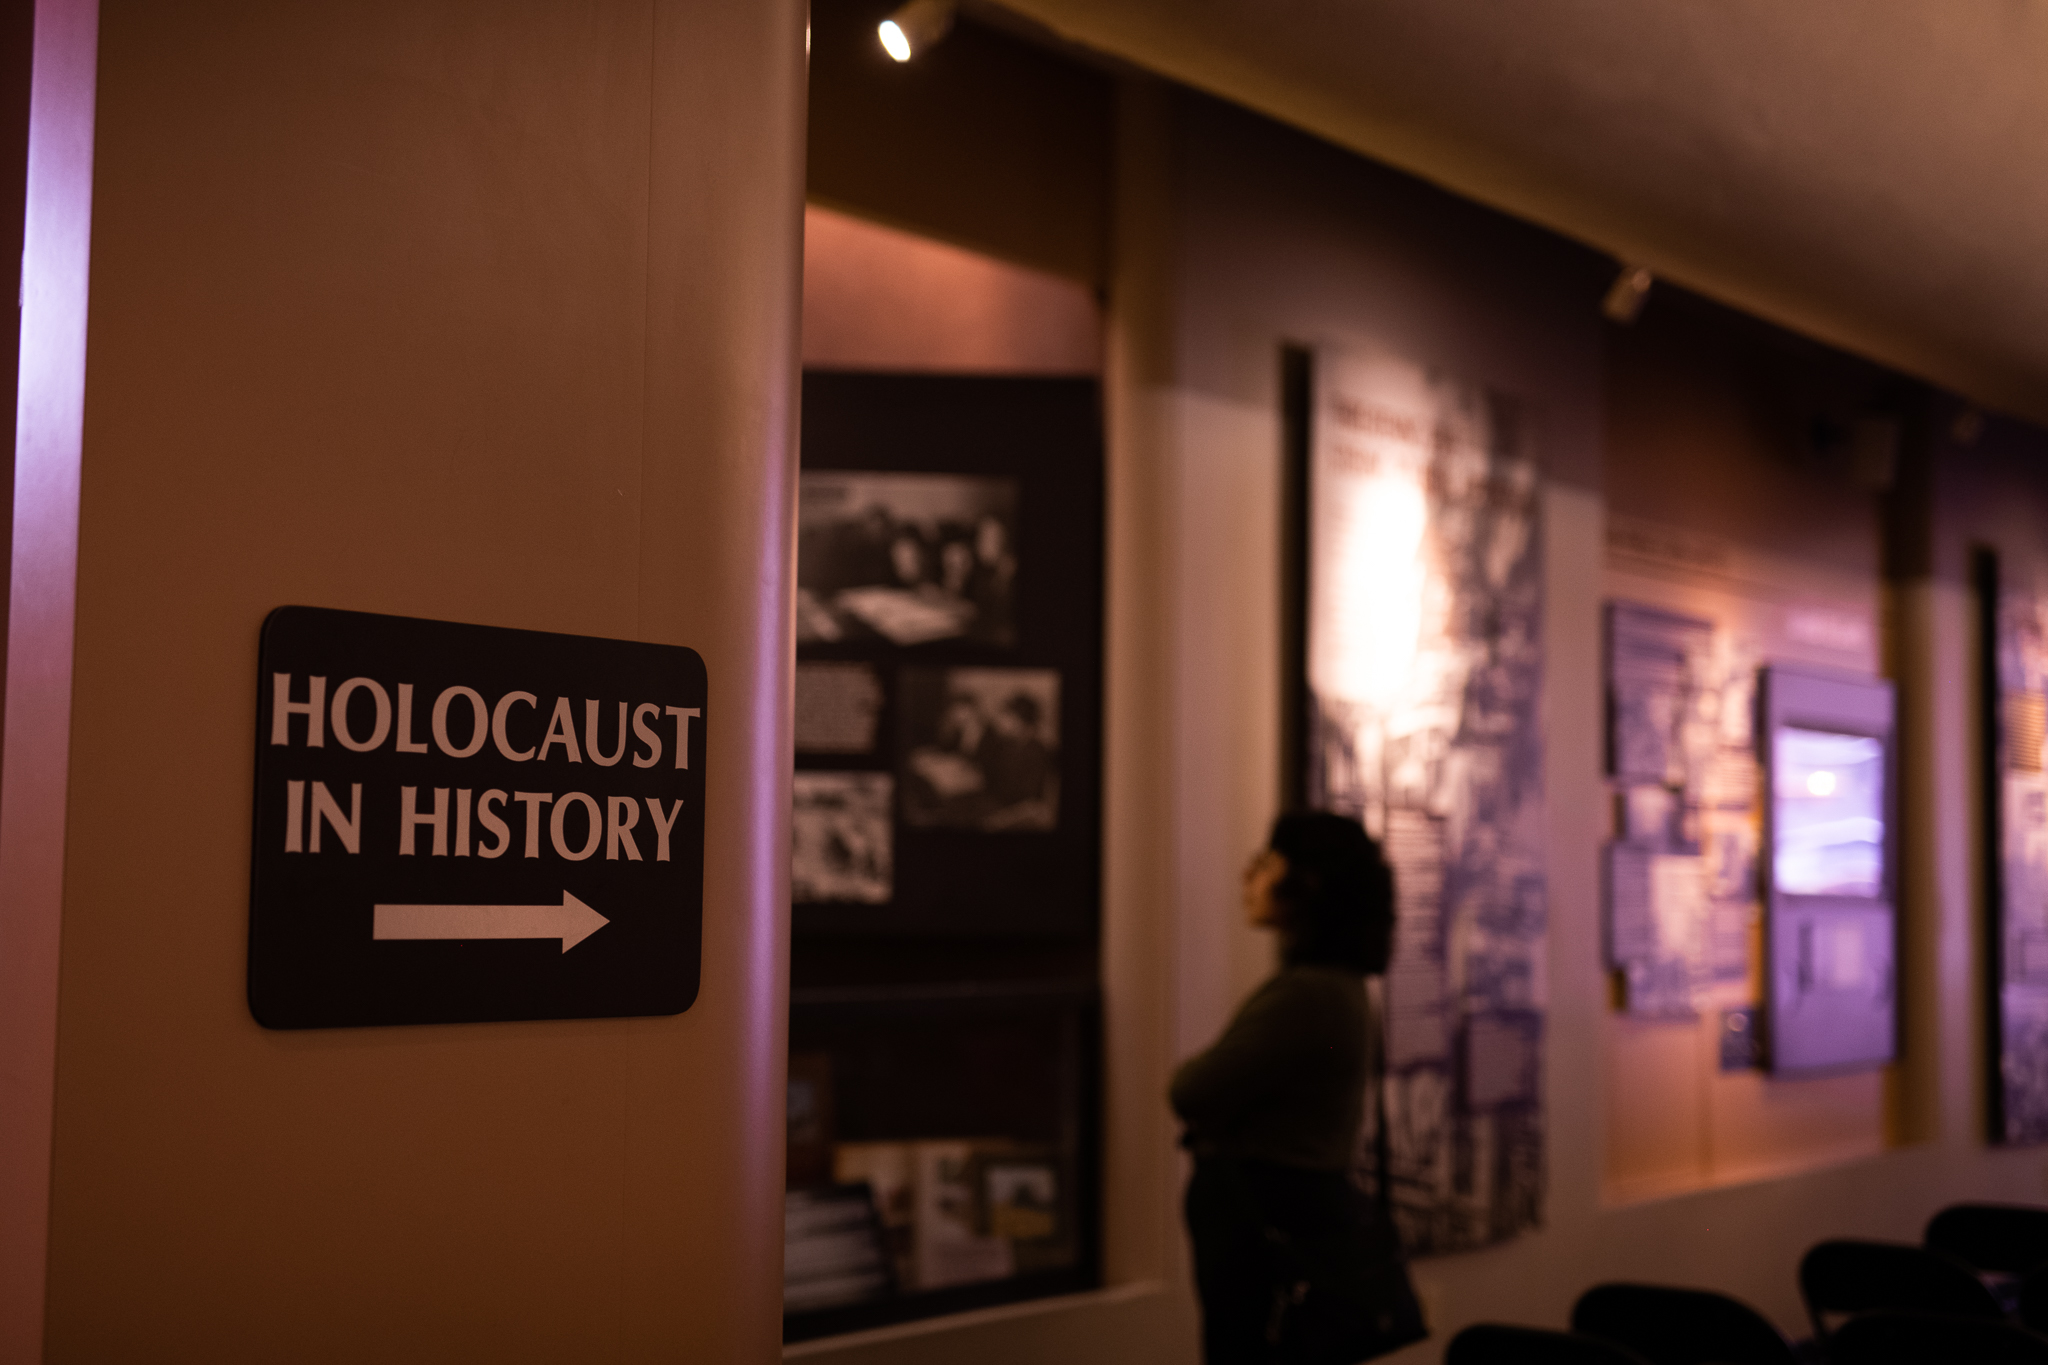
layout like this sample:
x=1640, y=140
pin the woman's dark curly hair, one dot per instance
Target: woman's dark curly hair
x=1337, y=898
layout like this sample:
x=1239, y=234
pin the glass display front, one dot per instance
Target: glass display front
x=1829, y=813
x=945, y=860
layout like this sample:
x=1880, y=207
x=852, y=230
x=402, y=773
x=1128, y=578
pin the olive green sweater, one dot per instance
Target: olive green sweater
x=1286, y=1081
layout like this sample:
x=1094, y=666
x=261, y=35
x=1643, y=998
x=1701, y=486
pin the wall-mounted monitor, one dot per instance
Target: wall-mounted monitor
x=1832, y=922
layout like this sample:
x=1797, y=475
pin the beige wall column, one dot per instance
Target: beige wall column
x=468, y=312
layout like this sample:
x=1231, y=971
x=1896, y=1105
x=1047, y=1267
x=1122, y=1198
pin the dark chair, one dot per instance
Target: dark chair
x=1925, y=1339
x=1680, y=1326
x=1490, y=1343
x=1998, y=1239
x=1861, y=1277
x=2033, y=1298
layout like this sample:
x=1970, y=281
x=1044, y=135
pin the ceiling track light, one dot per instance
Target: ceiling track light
x=1625, y=297
x=915, y=27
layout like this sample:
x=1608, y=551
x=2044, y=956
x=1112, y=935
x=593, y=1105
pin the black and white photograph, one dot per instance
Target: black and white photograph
x=907, y=558
x=1022, y=1199
x=839, y=827
x=981, y=748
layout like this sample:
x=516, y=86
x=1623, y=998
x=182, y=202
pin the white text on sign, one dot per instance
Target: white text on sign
x=480, y=824
x=486, y=722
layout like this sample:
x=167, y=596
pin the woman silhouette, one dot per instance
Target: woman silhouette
x=1274, y=1108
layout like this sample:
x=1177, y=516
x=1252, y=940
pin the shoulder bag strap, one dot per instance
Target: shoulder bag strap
x=1376, y=1070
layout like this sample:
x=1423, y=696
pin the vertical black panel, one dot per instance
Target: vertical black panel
x=1297, y=414
x=1990, y=770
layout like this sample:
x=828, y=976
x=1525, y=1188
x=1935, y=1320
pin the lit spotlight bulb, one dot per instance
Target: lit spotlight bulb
x=915, y=27
x=1820, y=784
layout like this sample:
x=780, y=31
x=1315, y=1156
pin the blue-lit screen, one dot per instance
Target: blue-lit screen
x=1828, y=791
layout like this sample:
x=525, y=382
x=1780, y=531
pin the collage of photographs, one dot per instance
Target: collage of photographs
x=888, y=565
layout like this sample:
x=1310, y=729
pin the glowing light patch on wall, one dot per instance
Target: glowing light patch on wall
x=1372, y=587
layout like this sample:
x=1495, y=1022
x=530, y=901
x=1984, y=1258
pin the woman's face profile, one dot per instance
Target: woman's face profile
x=1261, y=875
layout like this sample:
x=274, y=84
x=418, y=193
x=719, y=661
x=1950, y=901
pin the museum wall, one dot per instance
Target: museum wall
x=1764, y=460
x=1652, y=418
x=1983, y=484
x=463, y=313
x=1737, y=496
x=878, y=298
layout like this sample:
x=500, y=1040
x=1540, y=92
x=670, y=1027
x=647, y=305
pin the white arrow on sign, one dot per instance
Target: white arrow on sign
x=572, y=921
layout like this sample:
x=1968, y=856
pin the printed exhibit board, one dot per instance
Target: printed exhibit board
x=460, y=823
x=2016, y=602
x=1424, y=681
x=1681, y=885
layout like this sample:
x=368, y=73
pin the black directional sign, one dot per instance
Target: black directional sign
x=462, y=823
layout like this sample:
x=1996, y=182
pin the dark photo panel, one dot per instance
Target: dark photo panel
x=949, y=654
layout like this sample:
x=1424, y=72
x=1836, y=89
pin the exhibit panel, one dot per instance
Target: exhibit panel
x=1692, y=620
x=1424, y=678
x=2014, y=599
x=1681, y=866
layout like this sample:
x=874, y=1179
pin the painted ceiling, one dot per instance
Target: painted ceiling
x=1871, y=172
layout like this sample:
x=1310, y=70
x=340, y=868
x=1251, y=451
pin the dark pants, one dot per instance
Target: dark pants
x=1237, y=1272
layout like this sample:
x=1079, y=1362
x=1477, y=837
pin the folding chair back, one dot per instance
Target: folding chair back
x=2001, y=1239
x=1849, y=1277
x=1925, y=1339
x=1667, y=1326
x=1490, y=1343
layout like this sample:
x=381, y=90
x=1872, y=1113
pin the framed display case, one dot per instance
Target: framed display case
x=955, y=1127
x=1829, y=870
x=945, y=860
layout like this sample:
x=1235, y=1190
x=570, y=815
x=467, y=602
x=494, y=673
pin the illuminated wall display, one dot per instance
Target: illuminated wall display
x=2017, y=706
x=459, y=823
x=1681, y=755
x=1424, y=676
x=1833, y=998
